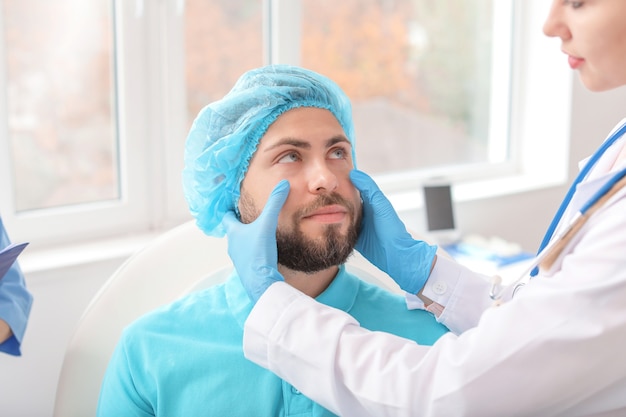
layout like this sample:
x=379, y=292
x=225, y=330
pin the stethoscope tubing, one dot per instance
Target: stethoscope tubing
x=550, y=242
x=618, y=133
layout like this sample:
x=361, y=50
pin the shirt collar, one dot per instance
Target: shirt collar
x=340, y=294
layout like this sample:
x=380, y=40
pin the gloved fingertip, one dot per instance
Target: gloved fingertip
x=358, y=176
x=363, y=182
x=282, y=187
x=278, y=196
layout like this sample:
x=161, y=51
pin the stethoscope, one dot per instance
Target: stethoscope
x=551, y=246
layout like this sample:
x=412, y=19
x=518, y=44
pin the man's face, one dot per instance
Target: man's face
x=318, y=225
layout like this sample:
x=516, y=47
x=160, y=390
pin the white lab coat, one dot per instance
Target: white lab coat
x=555, y=349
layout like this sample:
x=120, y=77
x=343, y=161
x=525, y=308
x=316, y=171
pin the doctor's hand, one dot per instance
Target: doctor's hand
x=385, y=242
x=252, y=247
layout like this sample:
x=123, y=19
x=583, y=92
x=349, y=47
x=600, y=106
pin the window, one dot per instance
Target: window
x=223, y=39
x=60, y=106
x=419, y=74
x=98, y=101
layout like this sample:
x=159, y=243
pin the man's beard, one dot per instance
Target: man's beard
x=297, y=251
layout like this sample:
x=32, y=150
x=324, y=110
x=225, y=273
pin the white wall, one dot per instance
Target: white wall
x=27, y=384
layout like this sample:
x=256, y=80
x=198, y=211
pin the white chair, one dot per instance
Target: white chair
x=178, y=262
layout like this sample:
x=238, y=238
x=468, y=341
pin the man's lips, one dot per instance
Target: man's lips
x=328, y=214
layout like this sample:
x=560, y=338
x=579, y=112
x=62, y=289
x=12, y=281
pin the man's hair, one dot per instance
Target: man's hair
x=226, y=133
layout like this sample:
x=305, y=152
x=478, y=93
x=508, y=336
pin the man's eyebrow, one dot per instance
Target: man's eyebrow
x=298, y=143
x=289, y=141
x=337, y=139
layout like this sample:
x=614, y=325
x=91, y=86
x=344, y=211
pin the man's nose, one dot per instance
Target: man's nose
x=321, y=178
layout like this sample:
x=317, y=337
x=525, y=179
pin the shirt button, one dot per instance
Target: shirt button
x=295, y=391
x=439, y=288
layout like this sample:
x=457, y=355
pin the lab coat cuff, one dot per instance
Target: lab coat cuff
x=466, y=301
x=443, y=280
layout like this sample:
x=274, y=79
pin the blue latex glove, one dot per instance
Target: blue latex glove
x=385, y=242
x=252, y=247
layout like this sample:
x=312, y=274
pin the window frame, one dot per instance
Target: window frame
x=145, y=204
x=79, y=222
x=537, y=67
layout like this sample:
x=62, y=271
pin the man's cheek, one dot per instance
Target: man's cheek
x=283, y=221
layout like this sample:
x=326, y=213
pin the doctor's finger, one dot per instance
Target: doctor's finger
x=275, y=203
x=374, y=201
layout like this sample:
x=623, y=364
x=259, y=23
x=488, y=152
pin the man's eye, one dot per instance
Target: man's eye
x=289, y=158
x=338, y=153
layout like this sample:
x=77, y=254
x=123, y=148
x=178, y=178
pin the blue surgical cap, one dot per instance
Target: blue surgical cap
x=225, y=134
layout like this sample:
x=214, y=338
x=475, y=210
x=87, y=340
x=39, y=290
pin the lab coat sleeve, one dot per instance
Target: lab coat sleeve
x=553, y=350
x=15, y=302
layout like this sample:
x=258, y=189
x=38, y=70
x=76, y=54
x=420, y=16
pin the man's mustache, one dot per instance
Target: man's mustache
x=324, y=200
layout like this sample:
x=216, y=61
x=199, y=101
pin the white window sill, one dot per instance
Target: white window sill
x=479, y=190
x=71, y=255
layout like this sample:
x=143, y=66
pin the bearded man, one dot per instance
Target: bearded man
x=279, y=127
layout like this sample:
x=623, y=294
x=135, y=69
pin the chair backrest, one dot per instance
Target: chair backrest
x=180, y=261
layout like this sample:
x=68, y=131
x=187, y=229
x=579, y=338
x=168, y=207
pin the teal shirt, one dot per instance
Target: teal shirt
x=186, y=359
